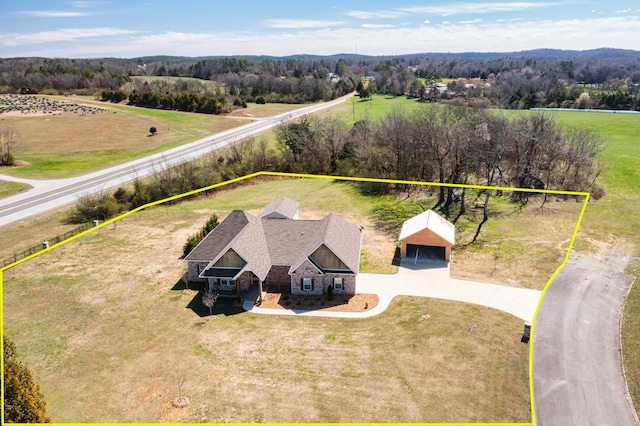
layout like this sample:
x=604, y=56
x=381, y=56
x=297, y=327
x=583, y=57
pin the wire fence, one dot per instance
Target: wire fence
x=47, y=243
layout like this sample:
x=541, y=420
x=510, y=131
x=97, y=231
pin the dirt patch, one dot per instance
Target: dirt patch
x=340, y=303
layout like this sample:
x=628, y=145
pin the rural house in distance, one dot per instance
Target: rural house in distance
x=278, y=251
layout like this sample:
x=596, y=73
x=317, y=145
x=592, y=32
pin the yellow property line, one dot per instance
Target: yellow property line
x=342, y=178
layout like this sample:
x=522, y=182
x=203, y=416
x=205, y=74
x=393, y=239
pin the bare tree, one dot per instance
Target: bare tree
x=209, y=299
x=180, y=401
x=9, y=143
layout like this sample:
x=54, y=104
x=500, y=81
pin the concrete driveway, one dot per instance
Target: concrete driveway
x=428, y=280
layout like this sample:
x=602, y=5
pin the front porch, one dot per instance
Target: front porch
x=245, y=286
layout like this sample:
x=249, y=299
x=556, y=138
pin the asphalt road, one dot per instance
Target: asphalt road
x=48, y=195
x=577, y=364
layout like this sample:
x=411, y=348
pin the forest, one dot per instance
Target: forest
x=598, y=79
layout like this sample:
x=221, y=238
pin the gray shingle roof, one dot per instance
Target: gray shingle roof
x=219, y=237
x=290, y=240
x=344, y=240
x=283, y=207
x=250, y=244
x=263, y=243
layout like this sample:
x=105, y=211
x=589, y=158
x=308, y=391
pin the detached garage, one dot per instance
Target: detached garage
x=427, y=237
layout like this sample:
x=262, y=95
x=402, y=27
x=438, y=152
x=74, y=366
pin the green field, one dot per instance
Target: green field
x=68, y=145
x=376, y=108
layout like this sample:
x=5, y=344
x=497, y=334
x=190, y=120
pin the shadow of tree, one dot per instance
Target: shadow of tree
x=224, y=306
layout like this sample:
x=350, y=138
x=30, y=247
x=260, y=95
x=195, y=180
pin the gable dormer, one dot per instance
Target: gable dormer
x=326, y=260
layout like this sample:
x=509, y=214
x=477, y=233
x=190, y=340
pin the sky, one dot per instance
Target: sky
x=133, y=28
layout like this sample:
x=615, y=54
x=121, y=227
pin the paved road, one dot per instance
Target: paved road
x=48, y=195
x=427, y=280
x=577, y=365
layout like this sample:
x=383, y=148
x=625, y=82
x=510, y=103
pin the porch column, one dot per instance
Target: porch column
x=260, y=287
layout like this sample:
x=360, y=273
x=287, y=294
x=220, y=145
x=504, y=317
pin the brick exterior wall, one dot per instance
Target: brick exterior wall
x=426, y=238
x=320, y=282
x=278, y=279
x=193, y=271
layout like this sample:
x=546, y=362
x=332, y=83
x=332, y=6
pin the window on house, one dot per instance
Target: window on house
x=337, y=284
x=307, y=284
x=226, y=282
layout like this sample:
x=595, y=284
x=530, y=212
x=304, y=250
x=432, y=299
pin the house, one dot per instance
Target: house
x=427, y=236
x=441, y=87
x=278, y=252
x=282, y=208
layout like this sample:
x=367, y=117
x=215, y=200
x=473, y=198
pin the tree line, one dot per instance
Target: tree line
x=603, y=78
x=188, y=102
x=437, y=143
x=448, y=144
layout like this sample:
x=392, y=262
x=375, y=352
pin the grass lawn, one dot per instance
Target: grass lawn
x=8, y=189
x=105, y=309
x=376, y=108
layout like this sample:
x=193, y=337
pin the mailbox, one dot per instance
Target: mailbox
x=527, y=332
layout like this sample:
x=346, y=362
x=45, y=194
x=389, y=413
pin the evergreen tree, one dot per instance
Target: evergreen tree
x=23, y=401
x=195, y=239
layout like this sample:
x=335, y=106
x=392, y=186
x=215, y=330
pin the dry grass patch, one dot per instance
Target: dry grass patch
x=102, y=310
x=519, y=249
x=9, y=189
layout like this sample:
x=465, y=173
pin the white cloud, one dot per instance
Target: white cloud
x=8, y=39
x=53, y=14
x=426, y=22
x=619, y=32
x=377, y=26
x=379, y=14
x=472, y=21
x=300, y=23
x=486, y=7
x=623, y=10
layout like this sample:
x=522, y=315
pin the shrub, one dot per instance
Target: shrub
x=99, y=205
x=330, y=292
x=195, y=239
x=23, y=400
x=261, y=100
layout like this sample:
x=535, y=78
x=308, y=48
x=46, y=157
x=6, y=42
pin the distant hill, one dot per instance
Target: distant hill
x=533, y=54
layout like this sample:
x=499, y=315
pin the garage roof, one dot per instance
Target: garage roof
x=429, y=220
